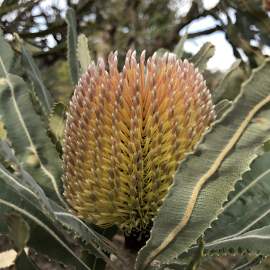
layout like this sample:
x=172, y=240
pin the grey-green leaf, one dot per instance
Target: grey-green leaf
x=88, y=235
x=56, y=122
x=18, y=230
x=27, y=134
x=230, y=85
x=19, y=233
x=201, y=58
x=179, y=48
x=72, y=45
x=83, y=53
x=205, y=178
x=40, y=89
x=255, y=241
x=12, y=200
x=251, y=197
x=6, y=53
x=221, y=107
x=22, y=181
x=29, y=190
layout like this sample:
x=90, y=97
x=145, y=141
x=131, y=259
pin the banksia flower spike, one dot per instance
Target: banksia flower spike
x=125, y=134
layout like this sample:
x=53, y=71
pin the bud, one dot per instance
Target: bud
x=126, y=132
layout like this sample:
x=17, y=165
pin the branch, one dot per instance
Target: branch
x=53, y=28
x=55, y=50
x=205, y=32
x=193, y=14
x=9, y=8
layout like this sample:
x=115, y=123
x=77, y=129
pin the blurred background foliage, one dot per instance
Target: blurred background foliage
x=140, y=24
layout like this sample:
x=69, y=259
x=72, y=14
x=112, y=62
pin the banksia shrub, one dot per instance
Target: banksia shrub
x=126, y=132
x=126, y=135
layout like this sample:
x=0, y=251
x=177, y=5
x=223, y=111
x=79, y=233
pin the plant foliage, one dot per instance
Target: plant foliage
x=219, y=201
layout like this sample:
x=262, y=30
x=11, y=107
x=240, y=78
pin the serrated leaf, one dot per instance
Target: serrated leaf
x=18, y=230
x=25, y=185
x=3, y=133
x=40, y=89
x=22, y=181
x=45, y=236
x=56, y=122
x=27, y=134
x=221, y=107
x=88, y=236
x=19, y=233
x=72, y=45
x=251, y=196
x=12, y=200
x=15, y=196
x=83, y=53
x=6, y=53
x=201, y=58
x=179, y=48
x=256, y=241
x=205, y=178
x=6, y=153
x=230, y=85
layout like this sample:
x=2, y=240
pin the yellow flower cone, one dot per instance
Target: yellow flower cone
x=125, y=134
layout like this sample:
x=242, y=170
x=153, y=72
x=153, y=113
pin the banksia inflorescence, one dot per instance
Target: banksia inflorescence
x=126, y=133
